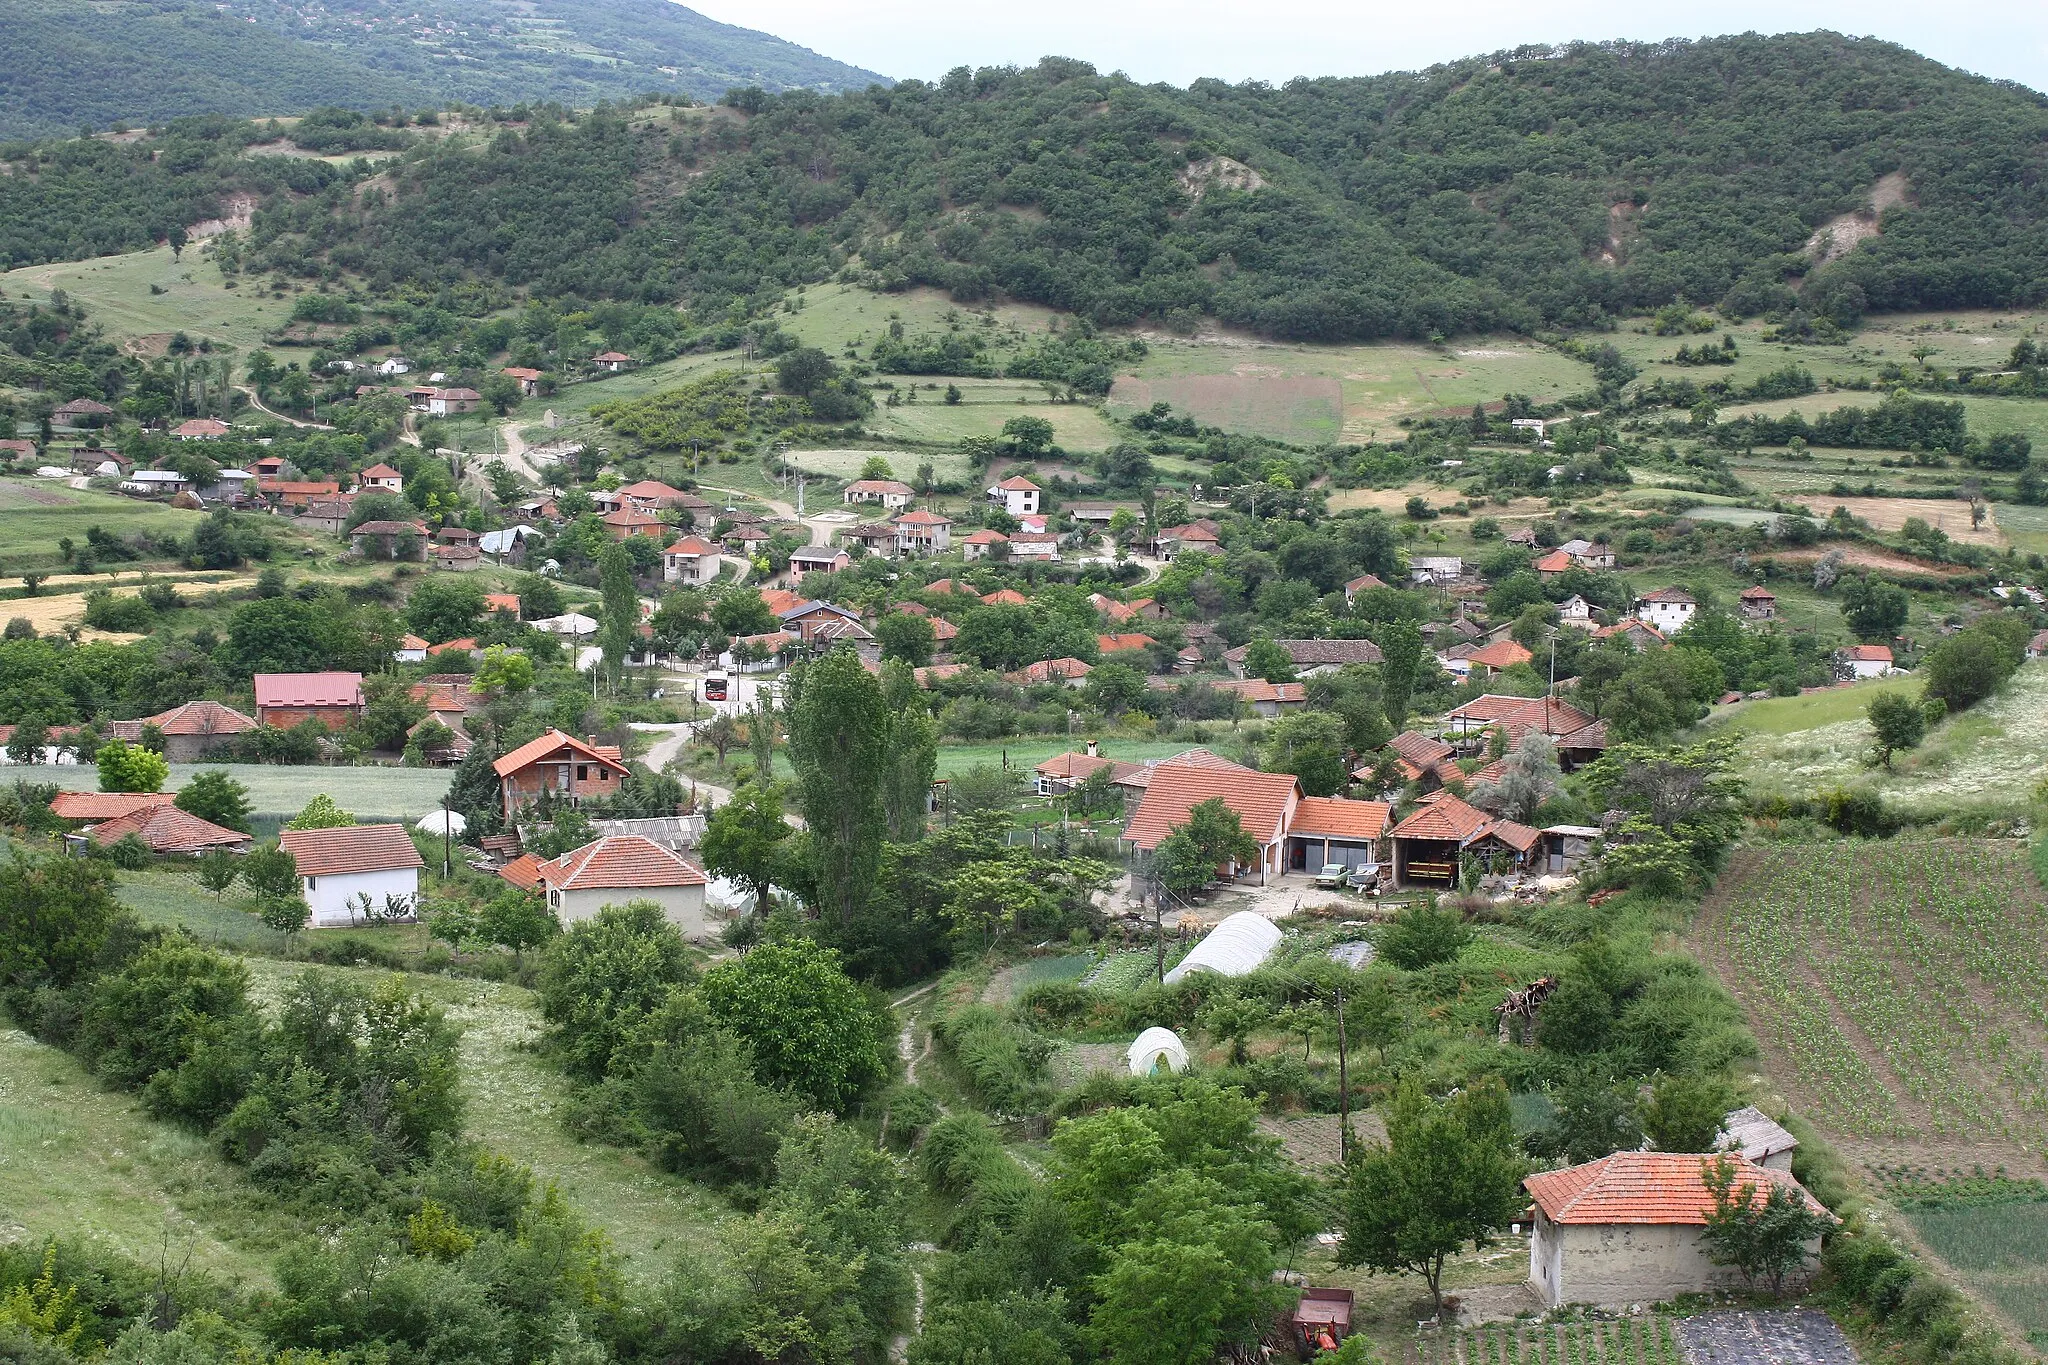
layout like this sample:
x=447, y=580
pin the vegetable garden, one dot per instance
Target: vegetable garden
x=1646, y=1340
x=1901, y=983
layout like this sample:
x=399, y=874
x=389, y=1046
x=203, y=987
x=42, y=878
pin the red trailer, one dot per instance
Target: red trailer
x=1321, y=1321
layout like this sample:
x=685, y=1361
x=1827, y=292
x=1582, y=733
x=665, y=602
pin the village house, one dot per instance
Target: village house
x=1035, y=545
x=1069, y=672
x=1858, y=662
x=1589, y=554
x=691, y=560
x=828, y=633
x=1359, y=585
x=806, y=618
x=620, y=868
x=1129, y=644
x=458, y=558
x=1429, y=763
x=168, y=832
x=389, y=539
x=96, y=807
x=155, y=483
x=1329, y=829
x=876, y=537
x=922, y=532
x=1264, y=699
x=105, y=464
x=1625, y=1230
x=15, y=448
x=1016, y=495
x=527, y=379
x=568, y=770
x=981, y=544
x=1310, y=657
x=81, y=412
x=411, y=650
x=326, y=515
x=452, y=402
x=628, y=522
x=1499, y=654
x=652, y=495
x=1263, y=802
x=195, y=731
x=355, y=872
x=1062, y=773
x=295, y=493
x=1757, y=603
x=1096, y=516
x=891, y=494
x=806, y=560
x=1201, y=536
x=1577, y=612
x=1752, y=1133
x=1641, y=635
x=1429, y=845
x=200, y=429
x=287, y=699
x=380, y=478
x=1668, y=610
x=391, y=366
x=613, y=362
x=1553, y=564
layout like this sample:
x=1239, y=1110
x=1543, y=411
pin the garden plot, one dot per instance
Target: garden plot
x=1897, y=988
x=1745, y=1337
x=1992, y=1229
x=1645, y=1340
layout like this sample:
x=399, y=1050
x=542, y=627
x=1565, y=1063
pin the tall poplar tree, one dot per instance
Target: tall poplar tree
x=838, y=727
x=621, y=607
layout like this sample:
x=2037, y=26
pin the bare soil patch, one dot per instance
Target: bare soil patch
x=1865, y=557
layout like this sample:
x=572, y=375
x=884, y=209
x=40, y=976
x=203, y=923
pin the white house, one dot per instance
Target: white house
x=1016, y=495
x=1864, y=661
x=891, y=494
x=381, y=477
x=1041, y=545
x=690, y=560
x=1424, y=569
x=1668, y=609
x=159, y=482
x=922, y=532
x=342, y=871
x=411, y=650
x=394, y=365
x=1576, y=611
x=621, y=868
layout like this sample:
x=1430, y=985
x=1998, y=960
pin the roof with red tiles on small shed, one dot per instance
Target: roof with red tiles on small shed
x=201, y=718
x=619, y=861
x=1260, y=800
x=104, y=805
x=523, y=872
x=1868, y=654
x=1335, y=817
x=309, y=689
x=535, y=750
x=1759, y=593
x=166, y=829
x=1446, y=819
x=351, y=848
x=1656, y=1188
x=1520, y=838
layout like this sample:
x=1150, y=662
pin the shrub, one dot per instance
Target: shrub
x=1421, y=935
x=1004, y=1061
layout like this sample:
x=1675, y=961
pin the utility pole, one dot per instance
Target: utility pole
x=447, y=839
x=1343, y=1083
x=1158, y=924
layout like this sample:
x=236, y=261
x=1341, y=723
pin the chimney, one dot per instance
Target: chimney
x=1091, y=749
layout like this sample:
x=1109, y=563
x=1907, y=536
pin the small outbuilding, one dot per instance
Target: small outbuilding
x=1750, y=1131
x=1626, y=1229
x=1236, y=947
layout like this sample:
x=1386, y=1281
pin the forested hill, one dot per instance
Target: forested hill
x=71, y=62
x=1517, y=190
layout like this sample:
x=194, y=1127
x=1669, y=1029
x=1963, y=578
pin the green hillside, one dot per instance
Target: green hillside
x=144, y=61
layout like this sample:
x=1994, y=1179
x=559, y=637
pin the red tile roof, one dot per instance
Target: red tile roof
x=1261, y=801
x=1758, y=594
x=1336, y=818
x=619, y=861
x=1446, y=819
x=1552, y=716
x=632, y=518
x=691, y=545
x=1110, y=644
x=1647, y=1188
x=879, y=487
x=104, y=805
x=1520, y=838
x=1674, y=595
x=1077, y=767
x=166, y=829
x=1050, y=670
x=1017, y=483
x=1557, y=561
x=1004, y=597
x=1419, y=749
x=920, y=518
x=523, y=872
x=309, y=689
x=1191, y=758
x=984, y=537
x=536, y=749
x=201, y=718
x=502, y=601
x=1869, y=654
x=1501, y=654
x=1364, y=581
x=380, y=471
x=352, y=848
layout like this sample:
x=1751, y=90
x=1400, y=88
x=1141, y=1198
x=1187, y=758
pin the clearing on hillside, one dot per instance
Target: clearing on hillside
x=1305, y=410
x=1899, y=989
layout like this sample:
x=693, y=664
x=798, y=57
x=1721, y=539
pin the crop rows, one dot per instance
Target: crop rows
x=1625, y=1341
x=1900, y=978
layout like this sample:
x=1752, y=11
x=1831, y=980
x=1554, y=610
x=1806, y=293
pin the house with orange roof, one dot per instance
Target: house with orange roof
x=981, y=544
x=411, y=650
x=806, y=560
x=1016, y=495
x=1202, y=536
x=1063, y=772
x=691, y=560
x=527, y=378
x=1626, y=1229
x=1005, y=597
x=613, y=362
x=893, y=495
x=502, y=601
x=1132, y=643
x=568, y=770
x=356, y=874
x=1501, y=653
x=922, y=532
x=652, y=495
x=380, y=477
x=1360, y=584
x=1757, y=603
x=458, y=558
x=1335, y=829
x=1263, y=802
x=1640, y=634
x=1864, y=661
x=876, y=537
x=200, y=429
x=620, y=868
x=627, y=522
x=1553, y=564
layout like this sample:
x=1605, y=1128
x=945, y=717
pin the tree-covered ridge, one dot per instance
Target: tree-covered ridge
x=146, y=61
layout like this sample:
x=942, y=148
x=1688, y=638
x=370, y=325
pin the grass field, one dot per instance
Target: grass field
x=391, y=793
x=116, y=293
x=1987, y=758
x=1896, y=986
x=1986, y=416
x=2000, y=1249
x=36, y=513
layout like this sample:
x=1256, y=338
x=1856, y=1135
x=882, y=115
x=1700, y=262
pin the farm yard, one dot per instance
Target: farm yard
x=1897, y=988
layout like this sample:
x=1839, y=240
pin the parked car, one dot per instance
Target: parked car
x=1331, y=878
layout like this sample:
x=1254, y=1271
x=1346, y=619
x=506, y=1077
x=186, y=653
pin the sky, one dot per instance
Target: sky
x=1276, y=40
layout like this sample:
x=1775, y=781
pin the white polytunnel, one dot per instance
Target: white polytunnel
x=1235, y=947
x=1157, y=1047
x=442, y=822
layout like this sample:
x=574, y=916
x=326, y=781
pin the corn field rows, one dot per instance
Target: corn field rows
x=1626, y=1341
x=1933, y=956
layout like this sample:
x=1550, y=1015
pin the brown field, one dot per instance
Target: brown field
x=1302, y=410
x=1890, y=514
x=1863, y=557
x=52, y=612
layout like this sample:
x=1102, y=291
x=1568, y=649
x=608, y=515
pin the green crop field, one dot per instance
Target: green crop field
x=391, y=793
x=36, y=513
x=1632, y=1341
x=1989, y=757
x=1897, y=987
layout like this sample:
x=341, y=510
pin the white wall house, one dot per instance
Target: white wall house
x=339, y=867
x=1016, y=495
x=690, y=560
x=621, y=868
x=1668, y=609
